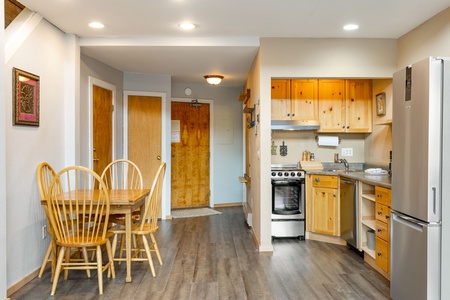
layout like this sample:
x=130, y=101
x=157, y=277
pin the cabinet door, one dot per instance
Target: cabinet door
x=281, y=99
x=382, y=254
x=331, y=105
x=325, y=211
x=383, y=195
x=358, y=105
x=304, y=99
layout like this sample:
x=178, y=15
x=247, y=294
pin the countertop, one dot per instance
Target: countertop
x=380, y=180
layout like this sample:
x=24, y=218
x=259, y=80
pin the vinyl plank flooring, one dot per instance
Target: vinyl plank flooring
x=215, y=257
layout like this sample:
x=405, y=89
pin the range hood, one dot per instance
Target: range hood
x=295, y=125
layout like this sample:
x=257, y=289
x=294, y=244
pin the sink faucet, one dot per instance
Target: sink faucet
x=341, y=161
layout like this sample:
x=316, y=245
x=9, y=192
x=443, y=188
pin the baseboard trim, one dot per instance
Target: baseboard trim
x=21, y=283
x=324, y=238
x=232, y=204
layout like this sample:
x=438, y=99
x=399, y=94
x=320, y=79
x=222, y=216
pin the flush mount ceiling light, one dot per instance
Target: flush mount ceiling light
x=96, y=25
x=213, y=79
x=351, y=27
x=187, y=26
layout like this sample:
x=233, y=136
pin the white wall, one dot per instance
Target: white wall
x=3, y=239
x=227, y=146
x=312, y=58
x=42, y=53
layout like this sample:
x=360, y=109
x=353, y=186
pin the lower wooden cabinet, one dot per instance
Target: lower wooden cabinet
x=325, y=205
x=383, y=214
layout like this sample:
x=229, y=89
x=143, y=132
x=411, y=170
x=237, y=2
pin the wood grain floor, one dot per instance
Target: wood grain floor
x=215, y=258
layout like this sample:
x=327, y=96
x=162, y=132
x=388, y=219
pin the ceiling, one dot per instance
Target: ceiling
x=143, y=36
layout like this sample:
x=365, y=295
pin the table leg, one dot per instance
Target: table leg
x=128, y=244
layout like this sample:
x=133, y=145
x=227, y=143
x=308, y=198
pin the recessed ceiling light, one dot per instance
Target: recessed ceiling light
x=351, y=27
x=96, y=25
x=187, y=26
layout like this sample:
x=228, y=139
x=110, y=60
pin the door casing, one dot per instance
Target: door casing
x=94, y=81
x=165, y=150
x=211, y=142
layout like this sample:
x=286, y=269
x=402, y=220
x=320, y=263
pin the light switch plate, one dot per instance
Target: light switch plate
x=347, y=152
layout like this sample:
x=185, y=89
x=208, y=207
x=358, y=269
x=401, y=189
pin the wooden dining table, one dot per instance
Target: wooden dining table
x=123, y=201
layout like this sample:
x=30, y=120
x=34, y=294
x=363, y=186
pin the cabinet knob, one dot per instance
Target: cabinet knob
x=387, y=217
x=317, y=179
x=293, y=115
x=379, y=195
x=379, y=213
x=348, y=127
x=379, y=230
x=343, y=127
x=379, y=254
x=334, y=195
x=289, y=115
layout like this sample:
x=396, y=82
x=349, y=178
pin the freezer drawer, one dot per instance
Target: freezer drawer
x=415, y=259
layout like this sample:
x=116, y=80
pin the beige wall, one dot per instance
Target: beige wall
x=432, y=38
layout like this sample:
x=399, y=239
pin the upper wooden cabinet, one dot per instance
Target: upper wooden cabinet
x=358, y=105
x=294, y=99
x=332, y=105
x=340, y=105
x=345, y=105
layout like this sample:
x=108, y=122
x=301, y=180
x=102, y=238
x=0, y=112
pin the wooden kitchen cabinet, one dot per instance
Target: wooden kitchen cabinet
x=294, y=99
x=383, y=213
x=332, y=105
x=325, y=205
x=281, y=99
x=345, y=105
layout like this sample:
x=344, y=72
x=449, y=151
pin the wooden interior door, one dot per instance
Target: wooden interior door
x=144, y=135
x=102, y=127
x=190, y=155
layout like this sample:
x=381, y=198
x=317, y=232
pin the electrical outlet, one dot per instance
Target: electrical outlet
x=44, y=231
x=347, y=151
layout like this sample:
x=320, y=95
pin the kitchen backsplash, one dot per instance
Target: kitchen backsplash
x=298, y=141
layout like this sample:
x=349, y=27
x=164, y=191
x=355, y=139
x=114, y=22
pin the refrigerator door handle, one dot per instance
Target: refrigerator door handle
x=434, y=199
x=408, y=221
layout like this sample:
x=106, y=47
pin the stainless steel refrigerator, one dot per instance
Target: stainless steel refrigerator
x=420, y=181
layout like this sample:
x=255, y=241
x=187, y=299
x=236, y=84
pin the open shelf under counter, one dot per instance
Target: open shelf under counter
x=368, y=251
x=368, y=196
x=369, y=221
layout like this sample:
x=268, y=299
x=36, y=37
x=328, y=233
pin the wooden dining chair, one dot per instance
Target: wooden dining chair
x=79, y=218
x=45, y=175
x=149, y=224
x=121, y=174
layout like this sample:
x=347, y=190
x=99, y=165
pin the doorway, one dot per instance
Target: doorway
x=190, y=147
x=102, y=130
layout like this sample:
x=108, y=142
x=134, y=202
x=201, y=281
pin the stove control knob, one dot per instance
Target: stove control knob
x=280, y=173
x=286, y=173
x=293, y=174
x=274, y=174
x=299, y=174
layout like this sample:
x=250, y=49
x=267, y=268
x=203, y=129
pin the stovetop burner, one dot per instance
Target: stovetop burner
x=286, y=172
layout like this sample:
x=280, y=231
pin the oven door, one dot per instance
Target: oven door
x=288, y=198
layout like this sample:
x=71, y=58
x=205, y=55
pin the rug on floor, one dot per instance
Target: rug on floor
x=194, y=212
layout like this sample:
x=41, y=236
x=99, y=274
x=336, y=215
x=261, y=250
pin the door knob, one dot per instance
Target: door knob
x=96, y=159
x=158, y=157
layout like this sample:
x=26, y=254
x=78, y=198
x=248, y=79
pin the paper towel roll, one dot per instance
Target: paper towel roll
x=326, y=140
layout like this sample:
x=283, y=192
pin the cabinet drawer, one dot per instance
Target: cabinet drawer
x=382, y=230
x=382, y=254
x=383, y=213
x=383, y=195
x=325, y=181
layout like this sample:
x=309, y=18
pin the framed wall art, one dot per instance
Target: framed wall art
x=381, y=104
x=25, y=98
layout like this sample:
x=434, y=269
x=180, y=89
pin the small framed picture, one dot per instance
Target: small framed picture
x=381, y=104
x=25, y=98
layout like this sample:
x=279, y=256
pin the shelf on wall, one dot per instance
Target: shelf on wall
x=385, y=122
x=245, y=96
